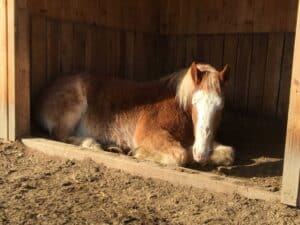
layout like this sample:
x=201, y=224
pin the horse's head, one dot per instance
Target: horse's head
x=201, y=91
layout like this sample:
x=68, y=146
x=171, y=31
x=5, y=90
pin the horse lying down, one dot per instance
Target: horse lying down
x=172, y=120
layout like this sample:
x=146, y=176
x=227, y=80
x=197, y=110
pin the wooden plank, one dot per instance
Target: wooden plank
x=18, y=69
x=285, y=78
x=264, y=19
x=290, y=193
x=272, y=76
x=257, y=74
x=79, y=42
x=91, y=50
x=66, y=47
x=139, y=57
x=216, y=51
x=228, y=16
x=99, y=51
x=38, y=55
x=88, y=48
x=179, y=176
x=53, y=49
x=113, y=53
x=162, y=53
x=191, y=49
x=204, y=48
x=3, y=71
x=242, y=72
x=129, y=55
x=230, y=58
x=130, y=15
x=151, y=65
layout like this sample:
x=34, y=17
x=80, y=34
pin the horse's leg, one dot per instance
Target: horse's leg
x=159, y=146
x=222, y=155
x=85, y=142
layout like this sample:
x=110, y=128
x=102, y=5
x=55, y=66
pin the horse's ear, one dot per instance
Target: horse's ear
x=224, y=74
x=194, y=72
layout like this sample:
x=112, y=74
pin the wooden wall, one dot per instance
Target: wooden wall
x=129, y=15
x=62, y=47
x=260, y=67
x=143, y=40
x=227, y=16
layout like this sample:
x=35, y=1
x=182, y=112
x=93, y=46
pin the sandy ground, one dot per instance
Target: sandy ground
x=37, y=189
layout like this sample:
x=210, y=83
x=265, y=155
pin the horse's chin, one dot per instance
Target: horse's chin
x=200, y=153
x=201, y=158
x=202, y=161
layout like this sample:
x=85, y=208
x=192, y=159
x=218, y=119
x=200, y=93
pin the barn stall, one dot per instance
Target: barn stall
x=144, y=40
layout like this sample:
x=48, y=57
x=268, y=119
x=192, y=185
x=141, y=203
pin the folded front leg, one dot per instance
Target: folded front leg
x=222, y=155
x=156, y=144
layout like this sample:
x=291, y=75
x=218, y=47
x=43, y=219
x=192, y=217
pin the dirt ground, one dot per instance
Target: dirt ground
x=37, y=189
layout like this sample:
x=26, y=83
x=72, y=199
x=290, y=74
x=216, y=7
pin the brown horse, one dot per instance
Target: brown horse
x=172, y=120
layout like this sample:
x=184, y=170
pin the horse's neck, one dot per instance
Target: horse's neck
x=158, y=89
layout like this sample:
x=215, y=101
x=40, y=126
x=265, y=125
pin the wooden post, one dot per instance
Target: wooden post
x=18, y=69
x=290, y=193
x=3, y=71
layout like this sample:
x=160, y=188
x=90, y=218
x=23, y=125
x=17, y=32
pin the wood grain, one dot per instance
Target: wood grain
x=130, y=15
x=290, y=192
x=228, y=16
x=230, y=58
x=78, y=41
x=53, y=49
x=66, y=47
x=242, y=73
x=285, y=78
x=257, y=74
x=18, y=69
x=38, y=57
x=272, y=76
x=3, y=71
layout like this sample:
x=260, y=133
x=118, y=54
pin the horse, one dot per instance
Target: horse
x=172, y=120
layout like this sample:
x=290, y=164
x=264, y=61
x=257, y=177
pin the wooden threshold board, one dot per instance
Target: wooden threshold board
x=177, y=176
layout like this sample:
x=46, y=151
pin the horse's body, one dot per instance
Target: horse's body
x=146, y=118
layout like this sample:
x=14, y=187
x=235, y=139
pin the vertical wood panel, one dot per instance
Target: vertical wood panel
x=79, y=41
x=66, y=47
x=216, y=51
x=99, y=51
x=53, y=49
x=204, y=48
x=227, y=16
x=290, y=192
x=11, y=56
x=230, y=58
x=272, y=77
x=285, y=80
x=38, y=54
x=257, y=75
x=129, y=55
x=191, y=49
x=88, y=48
x=18, y=69
x=3, y=71
x=140, y=57
x=242, y=72
x=113, y=53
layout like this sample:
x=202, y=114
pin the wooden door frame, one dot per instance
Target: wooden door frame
x=290, y=191
x=15, y=72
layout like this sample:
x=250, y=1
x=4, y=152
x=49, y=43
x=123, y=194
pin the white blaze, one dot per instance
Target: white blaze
x=206, y=104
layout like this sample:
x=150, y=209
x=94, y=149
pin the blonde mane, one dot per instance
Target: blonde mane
x=182, y=82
